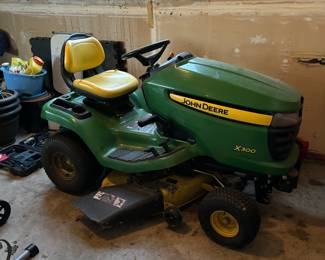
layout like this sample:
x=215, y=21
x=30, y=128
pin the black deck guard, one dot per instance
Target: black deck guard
x=111, y=205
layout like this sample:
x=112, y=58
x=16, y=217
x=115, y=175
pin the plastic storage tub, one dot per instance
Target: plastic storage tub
x=24, y=84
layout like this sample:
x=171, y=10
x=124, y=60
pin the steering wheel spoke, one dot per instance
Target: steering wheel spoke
x=150, y=60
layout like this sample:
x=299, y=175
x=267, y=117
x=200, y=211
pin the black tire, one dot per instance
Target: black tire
x=11, y=96
x=9, y=115
x=9, y=107
x=5, y=211
x=239, y=207
x=70, y=164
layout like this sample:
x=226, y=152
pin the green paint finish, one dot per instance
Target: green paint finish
x=228, y=84
x=138, y=100
x=215, y=137
x=103, y=134
x=224, y=84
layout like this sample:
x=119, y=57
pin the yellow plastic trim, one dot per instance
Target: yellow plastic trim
x=83, y=54
x=224, y=223
x=224, y=111
x=115, y=178
x=186, y=190
x=108, y=84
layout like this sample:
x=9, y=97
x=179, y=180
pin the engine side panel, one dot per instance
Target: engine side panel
x=227, y=84
x=236, y=144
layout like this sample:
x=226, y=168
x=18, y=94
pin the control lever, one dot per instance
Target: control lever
x=165, y=146
x=148, y=121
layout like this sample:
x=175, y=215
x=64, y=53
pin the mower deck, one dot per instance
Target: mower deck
x=122, y=198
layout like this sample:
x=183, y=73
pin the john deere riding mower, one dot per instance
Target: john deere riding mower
x=189, y=128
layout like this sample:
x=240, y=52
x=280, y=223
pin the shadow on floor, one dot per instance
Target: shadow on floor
x=268, y=243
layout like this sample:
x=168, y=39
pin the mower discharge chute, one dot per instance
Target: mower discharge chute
x=193, y=128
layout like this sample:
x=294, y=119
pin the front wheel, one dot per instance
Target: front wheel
x=69, y=164
x=229, y=217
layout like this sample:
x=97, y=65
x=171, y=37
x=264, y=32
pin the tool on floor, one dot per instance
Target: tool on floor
x=9, y=248
x=35, y=142
x=182, y=131
x=24, y=158
x=5, y=211
x=29, y=252
x=20, y=160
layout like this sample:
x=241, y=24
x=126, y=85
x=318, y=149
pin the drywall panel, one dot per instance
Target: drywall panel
x=266, y=35
x=129, y=26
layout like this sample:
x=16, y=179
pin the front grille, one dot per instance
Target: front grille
x=281, y=141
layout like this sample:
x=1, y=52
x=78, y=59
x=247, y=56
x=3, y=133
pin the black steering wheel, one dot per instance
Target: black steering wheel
x=148, y=60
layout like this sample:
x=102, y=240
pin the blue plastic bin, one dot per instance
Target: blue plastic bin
x=24, y=84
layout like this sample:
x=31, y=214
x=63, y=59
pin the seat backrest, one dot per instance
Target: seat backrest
x=83, y=54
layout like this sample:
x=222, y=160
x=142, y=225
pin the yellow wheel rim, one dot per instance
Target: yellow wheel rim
x=224, y=223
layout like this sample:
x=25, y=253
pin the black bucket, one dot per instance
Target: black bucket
x=9, y=130
x=30, y=115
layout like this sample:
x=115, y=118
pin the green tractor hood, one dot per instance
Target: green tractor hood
x=227, y=84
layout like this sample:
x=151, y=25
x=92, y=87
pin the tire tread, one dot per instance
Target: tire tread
x=240, y=203
x=84, y=159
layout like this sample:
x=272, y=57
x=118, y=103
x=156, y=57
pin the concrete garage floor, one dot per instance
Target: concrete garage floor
x=293, y=226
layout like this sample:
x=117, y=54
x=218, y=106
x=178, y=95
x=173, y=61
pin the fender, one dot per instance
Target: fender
x=102, y=134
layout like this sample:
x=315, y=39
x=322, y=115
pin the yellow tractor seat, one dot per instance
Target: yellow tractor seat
x=108, y=84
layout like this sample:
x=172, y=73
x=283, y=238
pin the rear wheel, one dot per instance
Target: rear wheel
x=69, y=164
x=229, y=217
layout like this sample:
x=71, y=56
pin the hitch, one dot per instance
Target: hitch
x=263, y=189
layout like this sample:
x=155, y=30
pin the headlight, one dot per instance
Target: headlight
x=285, y=119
